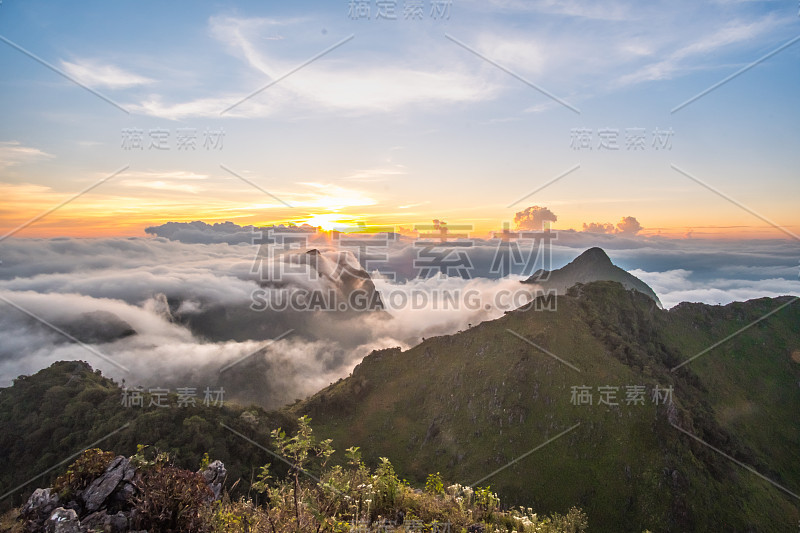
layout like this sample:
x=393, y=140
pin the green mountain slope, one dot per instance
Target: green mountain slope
x=49, y=417
x=471, y=403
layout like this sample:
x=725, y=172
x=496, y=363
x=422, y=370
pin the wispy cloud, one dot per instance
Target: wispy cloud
x=210, y=107
x=409, y=206
x=680, y=62
x=541, y=108
x=332, y=197
x=609, y=10
x=14, y=153
x=376, y=174
x=177, y=181
x=524, y=54
x=350, y=84
x=592, y=48
x=97, y=74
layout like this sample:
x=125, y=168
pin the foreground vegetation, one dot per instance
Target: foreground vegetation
x=318, y=497
x=311, y=497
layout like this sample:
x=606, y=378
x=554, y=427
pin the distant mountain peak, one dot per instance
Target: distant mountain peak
x=596, y=256
x=592, y=265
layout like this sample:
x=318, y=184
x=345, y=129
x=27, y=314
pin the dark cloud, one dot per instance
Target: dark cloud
x=199, y=232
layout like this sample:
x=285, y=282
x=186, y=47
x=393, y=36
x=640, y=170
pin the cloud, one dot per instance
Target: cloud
x=534, y=218
x=357, y=84
x=14, y=153
x=376, y=174
x=176, y=313
x=96, y=74
x=598, y=227
x=628, y=226
x=199, y=232
x=612, y=11
x=209, y=107
x=164, y=354
x=522, y=54
x=178, y=180
x=678, y=62
x=676, y=286
x=606, y=47
x=329, y=196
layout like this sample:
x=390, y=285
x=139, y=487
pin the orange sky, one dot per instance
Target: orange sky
x=98, y=217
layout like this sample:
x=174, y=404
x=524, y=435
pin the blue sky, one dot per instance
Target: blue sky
x=401, y=124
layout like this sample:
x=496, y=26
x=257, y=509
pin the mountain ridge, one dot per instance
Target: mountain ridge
x=470, y=403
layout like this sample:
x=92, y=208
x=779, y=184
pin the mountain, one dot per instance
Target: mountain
x=494, y=405
x=591, y=265
x=353, y=285
x=313, y=293
x=47, y=417
x=498, y=405
x=98, y=327
x=249, y=478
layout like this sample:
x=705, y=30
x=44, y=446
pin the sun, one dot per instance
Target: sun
x=327, y=221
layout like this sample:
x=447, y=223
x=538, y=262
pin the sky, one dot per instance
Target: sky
x=142, y=143
x=338, y=112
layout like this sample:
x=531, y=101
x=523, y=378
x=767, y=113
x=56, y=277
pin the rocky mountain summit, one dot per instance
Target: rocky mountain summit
x=127, y=494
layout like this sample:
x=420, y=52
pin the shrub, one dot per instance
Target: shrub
x=434, y=484
x=86, y=468
x=387, y=488
x=171, y=500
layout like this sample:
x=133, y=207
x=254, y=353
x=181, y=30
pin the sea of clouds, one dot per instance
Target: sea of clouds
x=174, y=309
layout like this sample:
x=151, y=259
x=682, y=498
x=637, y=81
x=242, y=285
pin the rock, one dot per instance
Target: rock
x=101, y=488
x=124, y=493
x=63, y=521
x=119, y=522
x=39, y=507
x=96, y=521
x=102, y=521
x=214, y=475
